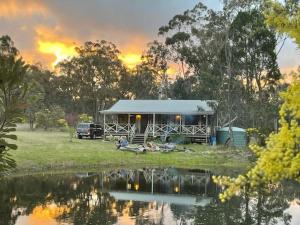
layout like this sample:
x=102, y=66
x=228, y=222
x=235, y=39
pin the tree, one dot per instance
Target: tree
x=155, y=61
x=255, y=64
x=35, y=94
x=91, y=78
x=12, y=91
x=284, y=17
x=231, y=55
x=143, y=82
x=85, y=118
x=183, y=88
x=280, y=159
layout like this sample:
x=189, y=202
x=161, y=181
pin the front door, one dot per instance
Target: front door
x=141, y=122
x=138, y=123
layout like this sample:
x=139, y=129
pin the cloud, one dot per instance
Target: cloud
x=54, y=43
x=14, y=8
x=130, y=24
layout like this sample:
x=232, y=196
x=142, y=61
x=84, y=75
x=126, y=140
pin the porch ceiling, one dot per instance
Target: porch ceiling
x=185, y=107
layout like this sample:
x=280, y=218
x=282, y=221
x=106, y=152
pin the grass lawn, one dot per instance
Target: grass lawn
x=40, y=151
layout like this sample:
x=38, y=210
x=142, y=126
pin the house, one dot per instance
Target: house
x=141, y=119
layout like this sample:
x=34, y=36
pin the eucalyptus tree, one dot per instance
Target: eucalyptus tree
x=92, y=76
x=143, y=83
x=149, y=79
x=284, y=17
x=12, y=91
x=231, y=53
x=255, y=66
x=156, y=59
x=35, y=95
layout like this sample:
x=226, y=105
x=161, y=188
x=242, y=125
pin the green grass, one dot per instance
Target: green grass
x=40, y=151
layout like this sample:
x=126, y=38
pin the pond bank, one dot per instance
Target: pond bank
x=40, y=151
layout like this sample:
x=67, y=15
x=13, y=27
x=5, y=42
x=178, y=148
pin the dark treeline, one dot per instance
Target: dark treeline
x=227, y=55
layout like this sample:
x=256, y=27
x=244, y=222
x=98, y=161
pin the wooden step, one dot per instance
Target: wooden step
x=200, y=140
x=138, y=139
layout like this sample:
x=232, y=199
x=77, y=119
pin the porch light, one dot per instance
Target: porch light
x=176, y=189
x=138, y=117
x=178, y=117
x=136, y=187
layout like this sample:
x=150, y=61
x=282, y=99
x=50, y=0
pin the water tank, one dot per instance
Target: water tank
x=239, y=136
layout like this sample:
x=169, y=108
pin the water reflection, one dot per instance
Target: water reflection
x=146, y=196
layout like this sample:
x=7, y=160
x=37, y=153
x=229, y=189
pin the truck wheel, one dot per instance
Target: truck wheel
x=79, y=137
x=93, y=136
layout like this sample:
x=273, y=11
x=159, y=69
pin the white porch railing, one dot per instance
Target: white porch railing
x=117, y=128
x=132, y=132
x=160, y=129
x=156, y=129
x=193, y=129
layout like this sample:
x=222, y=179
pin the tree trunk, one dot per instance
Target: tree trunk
x=31, y=121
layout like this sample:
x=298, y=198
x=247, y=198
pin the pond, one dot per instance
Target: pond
x=145, y=196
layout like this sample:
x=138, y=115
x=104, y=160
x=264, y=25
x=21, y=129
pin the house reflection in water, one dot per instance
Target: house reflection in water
x=174, y=186
x=135, y=197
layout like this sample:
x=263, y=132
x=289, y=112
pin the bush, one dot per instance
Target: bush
x=256, y=137
x=53, y=117
x=85, y=118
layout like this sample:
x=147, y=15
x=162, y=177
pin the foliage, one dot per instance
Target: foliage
x=12, y=90
x=149, y=79
x=52, y=117
x=284, y=17
x=85, y=118
x=280, y=159
x=259, y=138
x=91, y=79
x=62, y=123
x=229, y=56
x=35, y=96
x=71, y=131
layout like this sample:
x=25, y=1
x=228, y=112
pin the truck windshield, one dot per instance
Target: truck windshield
x=82, y=125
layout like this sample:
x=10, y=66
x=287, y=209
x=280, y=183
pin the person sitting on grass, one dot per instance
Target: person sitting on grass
x=121, y=143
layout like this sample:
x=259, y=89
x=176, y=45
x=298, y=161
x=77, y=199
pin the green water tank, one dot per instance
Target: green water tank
x=239, y=136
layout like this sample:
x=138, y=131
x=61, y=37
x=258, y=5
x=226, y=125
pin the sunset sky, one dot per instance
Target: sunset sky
x=47, y=31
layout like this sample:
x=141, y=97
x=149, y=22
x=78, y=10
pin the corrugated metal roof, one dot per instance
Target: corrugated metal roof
x=161, y=107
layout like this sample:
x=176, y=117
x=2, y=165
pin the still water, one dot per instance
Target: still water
x=145, y=196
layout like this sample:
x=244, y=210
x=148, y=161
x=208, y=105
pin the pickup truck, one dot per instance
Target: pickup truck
x=90, y=130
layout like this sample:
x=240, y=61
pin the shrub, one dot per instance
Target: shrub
x=85, y=118
x=256, y=137
x=53, y=117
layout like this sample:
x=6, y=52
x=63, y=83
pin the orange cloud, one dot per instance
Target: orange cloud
x=59, y=49
x=54, y=44
x=15, y=8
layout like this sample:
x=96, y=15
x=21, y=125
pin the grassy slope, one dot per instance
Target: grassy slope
x=41, y=151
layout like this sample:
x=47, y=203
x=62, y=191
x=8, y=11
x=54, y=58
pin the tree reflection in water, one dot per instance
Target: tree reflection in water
x=166, y=196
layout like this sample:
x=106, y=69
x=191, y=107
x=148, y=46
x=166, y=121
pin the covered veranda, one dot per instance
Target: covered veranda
x=192, y=118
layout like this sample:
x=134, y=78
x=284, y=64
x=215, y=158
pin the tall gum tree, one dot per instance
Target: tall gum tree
x=93, y=75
